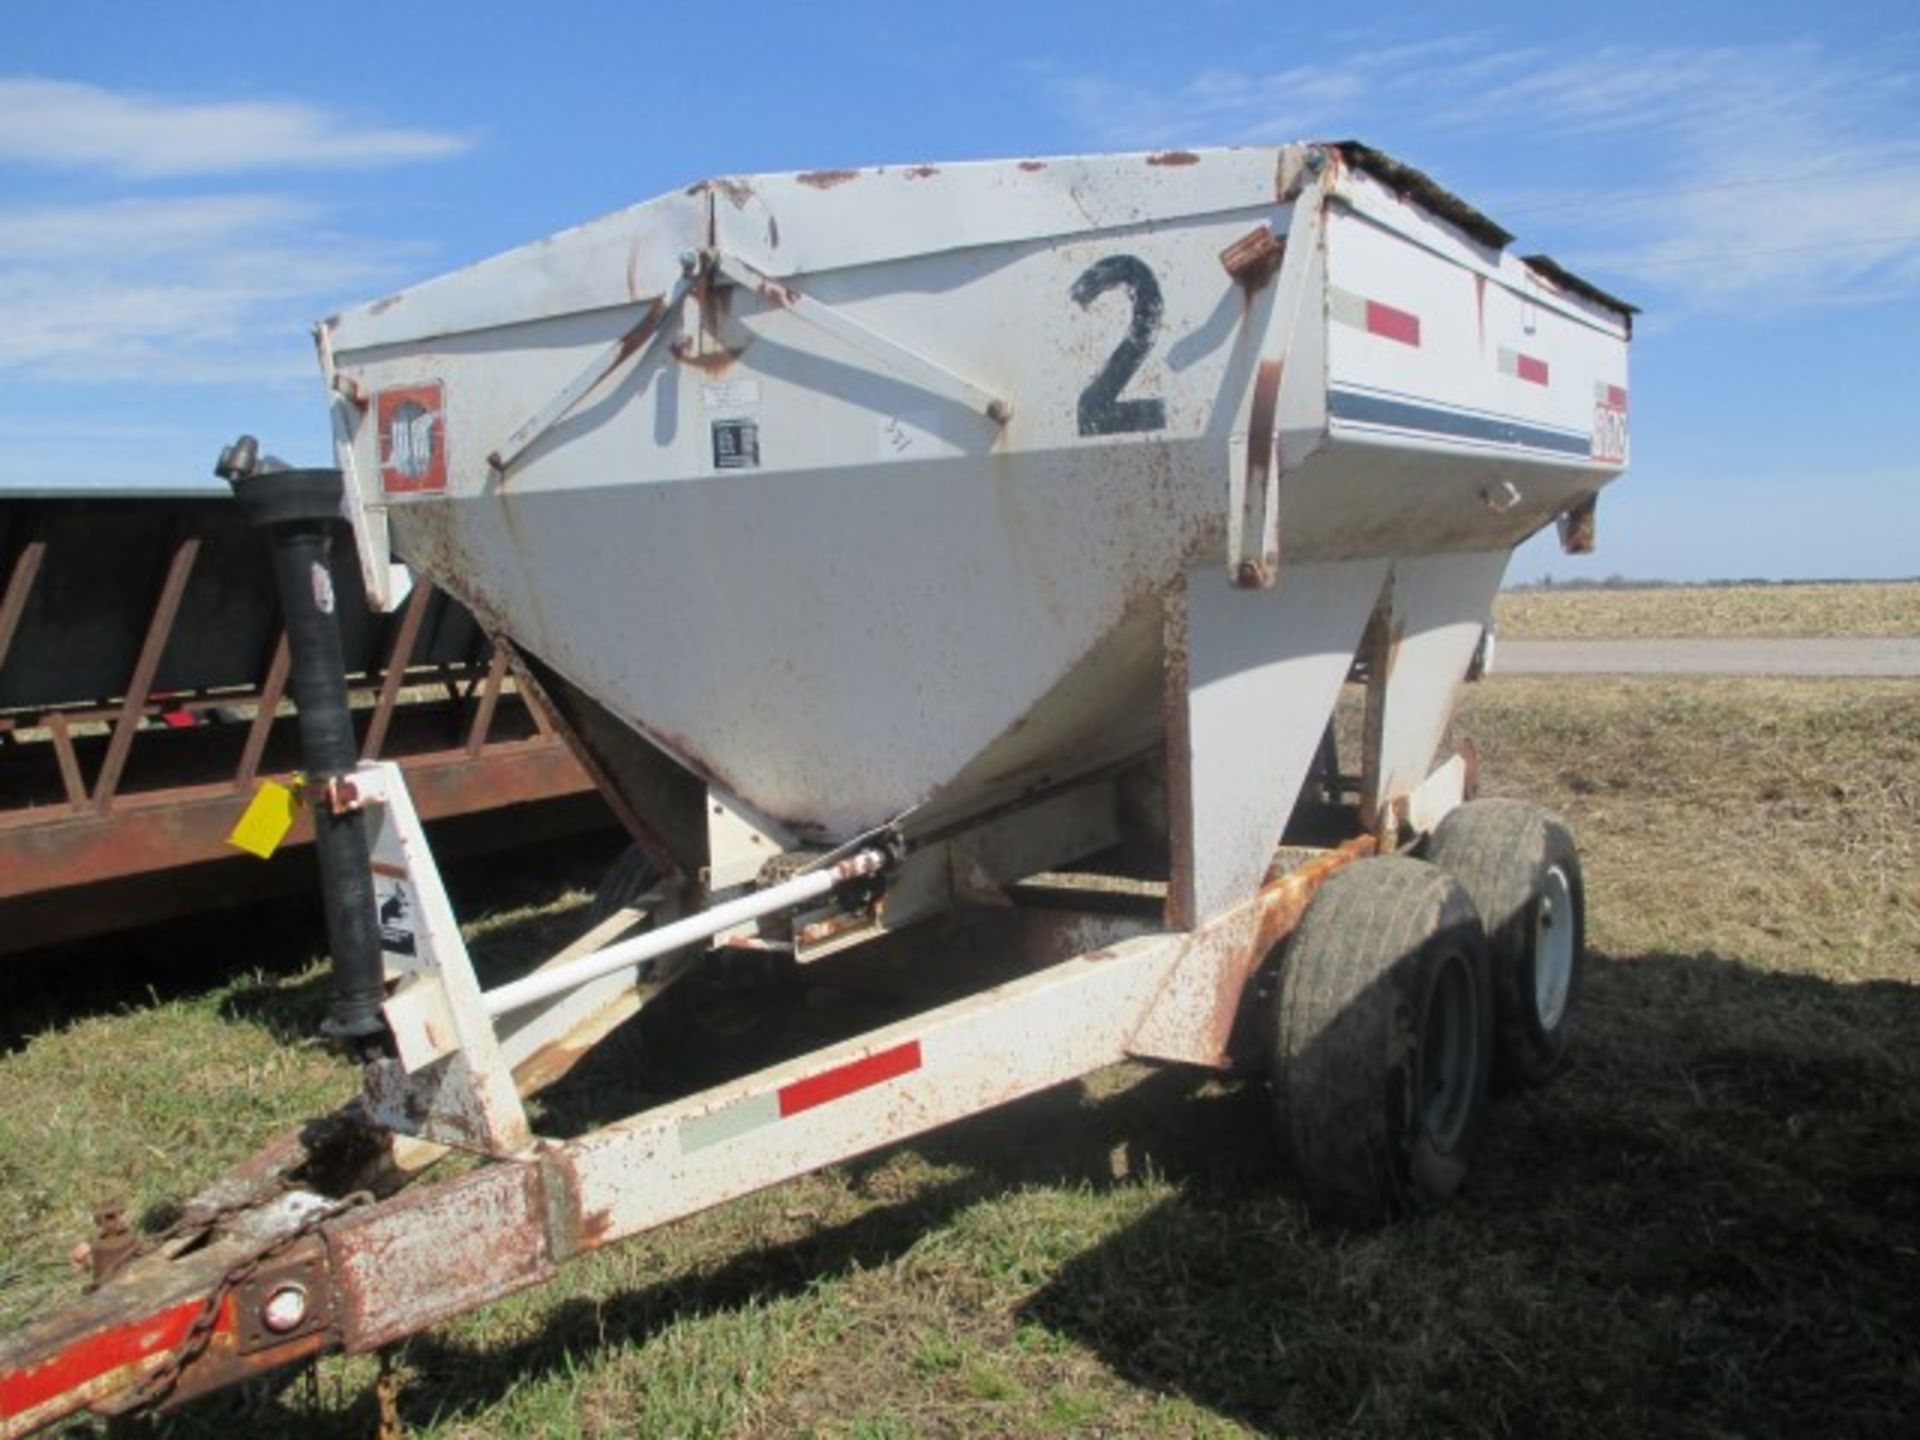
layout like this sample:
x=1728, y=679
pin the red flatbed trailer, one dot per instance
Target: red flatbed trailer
x=143, y=671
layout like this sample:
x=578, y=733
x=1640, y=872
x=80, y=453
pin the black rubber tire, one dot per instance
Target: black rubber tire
x=1381, y=1114
x=1503, y=851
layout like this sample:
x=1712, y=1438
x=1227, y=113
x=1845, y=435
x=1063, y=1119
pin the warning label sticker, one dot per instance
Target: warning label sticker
x=395, y=902
x=732, y=396
x=736, y=445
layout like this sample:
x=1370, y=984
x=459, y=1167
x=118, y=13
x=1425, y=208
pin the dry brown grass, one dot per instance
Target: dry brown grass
x=1709, y=1226
x=1779, y=819
x=1673, y=612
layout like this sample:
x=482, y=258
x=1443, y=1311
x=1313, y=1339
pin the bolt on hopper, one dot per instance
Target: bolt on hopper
x=907, y=542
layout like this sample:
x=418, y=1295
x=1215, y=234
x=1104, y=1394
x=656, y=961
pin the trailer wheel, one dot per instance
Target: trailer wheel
x=1519, y=864
x=1382, y=1041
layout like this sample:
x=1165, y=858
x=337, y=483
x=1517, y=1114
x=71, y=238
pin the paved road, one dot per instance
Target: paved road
x=1899, y=657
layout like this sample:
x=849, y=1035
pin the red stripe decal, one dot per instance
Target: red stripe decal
x=1393, y=324
x=1527, y=367
x=101, y=1353
x=845, y=1079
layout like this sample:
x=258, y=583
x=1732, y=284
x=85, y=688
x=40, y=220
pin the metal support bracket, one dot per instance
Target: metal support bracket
x=450, y=1083
x=635, y=343
x=1255, y=463
x=906, y=363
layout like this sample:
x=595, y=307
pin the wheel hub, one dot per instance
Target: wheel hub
x=1553, y=941
x=1450, y=1045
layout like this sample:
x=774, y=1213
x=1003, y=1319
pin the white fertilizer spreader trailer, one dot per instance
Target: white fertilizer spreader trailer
x=906, y=543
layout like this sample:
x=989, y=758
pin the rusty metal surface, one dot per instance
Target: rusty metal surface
x=49, y=859
x=133, y=708
x=1407, y=181
x=101, y=1352
x=1254, y=258
x=180, y=827
x=142, y=678
x=423, y=1257
x=398, y=658
x=113, y=1243
x=1257, y=561
x=102, y=562
x=489, y=701
x=1579, y=526
x=1193, y=1018
x=13, y=604
x=260, y=728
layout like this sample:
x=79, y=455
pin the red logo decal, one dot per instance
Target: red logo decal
x=411, y=438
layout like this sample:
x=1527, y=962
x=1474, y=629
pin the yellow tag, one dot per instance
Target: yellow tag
x=266, y=820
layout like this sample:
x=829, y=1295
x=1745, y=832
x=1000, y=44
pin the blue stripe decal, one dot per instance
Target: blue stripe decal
x=1363, y=409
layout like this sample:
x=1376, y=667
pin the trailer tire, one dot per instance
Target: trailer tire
x=1519, y=863
x=1382, y=1041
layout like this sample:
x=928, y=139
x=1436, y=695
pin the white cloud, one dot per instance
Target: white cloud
x=131, y=229
x=69, y=125
x=1734, y=176
x=165, y=287
x=190, y=289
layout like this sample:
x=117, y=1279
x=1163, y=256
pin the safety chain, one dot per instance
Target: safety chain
x=160, y=1383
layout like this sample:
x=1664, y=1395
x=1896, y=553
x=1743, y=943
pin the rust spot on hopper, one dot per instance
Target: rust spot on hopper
x=711, y=361
x=1577, y=527
x=737, y=190
x=921, y=172
x=1032, y=165
x=826, y=179
x=1174, y=157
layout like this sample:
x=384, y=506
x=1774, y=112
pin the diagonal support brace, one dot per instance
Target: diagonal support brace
x=908, y=364
x=636, y=342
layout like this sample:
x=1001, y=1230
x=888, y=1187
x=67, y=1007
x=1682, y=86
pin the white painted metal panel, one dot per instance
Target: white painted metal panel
x=826, y=581
x=1263, y=669
x=1440, y=604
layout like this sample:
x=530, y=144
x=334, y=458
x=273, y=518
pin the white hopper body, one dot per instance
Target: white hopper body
x=896, y=493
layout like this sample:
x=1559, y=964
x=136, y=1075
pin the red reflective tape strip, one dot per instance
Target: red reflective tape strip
x=1616, y=397
x=1394, y=324
x=845, y=1079
x=1529, y=367
x=101, y=1353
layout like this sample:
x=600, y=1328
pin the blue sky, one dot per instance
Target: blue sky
x=184, y=189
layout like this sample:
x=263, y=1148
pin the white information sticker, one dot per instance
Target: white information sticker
x=731, y=395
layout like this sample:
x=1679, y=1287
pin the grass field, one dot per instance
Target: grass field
x=1709, y=1226
x=1672, y=612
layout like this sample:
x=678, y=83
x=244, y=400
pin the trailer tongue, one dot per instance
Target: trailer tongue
x=901, y=543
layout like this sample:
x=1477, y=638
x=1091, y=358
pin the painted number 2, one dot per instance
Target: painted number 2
x=1102, y=411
